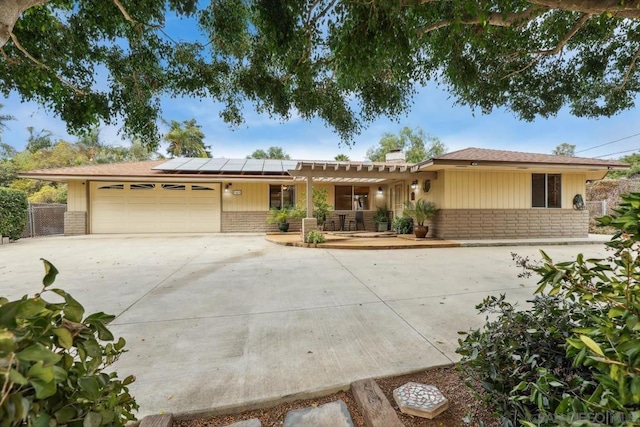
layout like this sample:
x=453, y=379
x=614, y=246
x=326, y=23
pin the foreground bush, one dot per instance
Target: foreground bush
x=13, y=213
x=589, y=310
x=52, y=363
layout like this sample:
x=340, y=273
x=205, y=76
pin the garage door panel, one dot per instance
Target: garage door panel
x=148, y=208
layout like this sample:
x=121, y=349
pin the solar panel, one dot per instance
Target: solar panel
x=253, y=165
x=213, y=165
x=171, y=164
x=196, y=164
x=273, y=166
x=289, y=165
x=233, y=165
x=193, y=164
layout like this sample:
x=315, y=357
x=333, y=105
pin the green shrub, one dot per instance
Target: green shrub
x=402, y=225
x=13, y=213
x=315, y=237
x=52, y=364
x=595, y=306
x=519, y=357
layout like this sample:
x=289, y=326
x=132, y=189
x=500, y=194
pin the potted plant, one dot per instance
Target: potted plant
x=279, y=216
x=420, y=211
x=381, y=218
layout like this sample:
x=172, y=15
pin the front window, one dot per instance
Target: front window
x=349, y=197
x=282, y=196
x=546, y=190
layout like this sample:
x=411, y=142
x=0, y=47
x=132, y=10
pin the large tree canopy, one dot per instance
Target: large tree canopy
x=344, y=61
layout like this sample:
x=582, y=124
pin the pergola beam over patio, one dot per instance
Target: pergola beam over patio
x=356, y=172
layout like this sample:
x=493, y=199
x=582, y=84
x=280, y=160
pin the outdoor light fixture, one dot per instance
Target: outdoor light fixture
x=226, y=187
x=474, y=163
x=379, y=191
x=414, y=184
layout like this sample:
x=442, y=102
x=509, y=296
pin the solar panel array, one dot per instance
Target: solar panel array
x=219, y=165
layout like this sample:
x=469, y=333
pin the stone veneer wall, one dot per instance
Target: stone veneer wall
x=256, y=221
x=75, y=223
x=252, y=222
x=510, y=223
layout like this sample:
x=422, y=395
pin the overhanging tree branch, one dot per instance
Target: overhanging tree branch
x=572, y=32
x=632, y=65
x=21, y=48
x=617, y=8
x=557, y=49
x=124, y=12
x=494, y=19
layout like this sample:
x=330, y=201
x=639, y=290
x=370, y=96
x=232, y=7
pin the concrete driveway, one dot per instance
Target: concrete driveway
x=217, y=321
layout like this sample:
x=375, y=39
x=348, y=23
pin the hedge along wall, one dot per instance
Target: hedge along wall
x=13, y=213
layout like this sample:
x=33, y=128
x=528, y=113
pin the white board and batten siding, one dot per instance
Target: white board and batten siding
x=141, y=207
x=500, y=190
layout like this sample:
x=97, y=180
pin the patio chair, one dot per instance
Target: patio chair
x=326, y=222
x=359, y=220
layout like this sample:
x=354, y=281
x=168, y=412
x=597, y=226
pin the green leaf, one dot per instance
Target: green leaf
x=59, y=374
x=73, y=310
x=128, y=380
x=593, y=346
x=616, y=312
x=38, y=352
x=64, y=415
x=43, y=420
x=64, y=337
x=50, y=273
x=90, y=385
x=575, y=343
x=93, y=419
x=17, y=377
x=39, y=371
x=43, y=389
x=635, y=389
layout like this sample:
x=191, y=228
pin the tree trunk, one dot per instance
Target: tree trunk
x=10, y=11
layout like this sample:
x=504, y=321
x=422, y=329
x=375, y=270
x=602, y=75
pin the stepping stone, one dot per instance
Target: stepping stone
x=333, y=414
x=165, y=420
x=374, y=406
x=253, y=422
x=421, y=400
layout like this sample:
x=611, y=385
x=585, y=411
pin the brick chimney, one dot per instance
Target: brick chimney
x=395, y=156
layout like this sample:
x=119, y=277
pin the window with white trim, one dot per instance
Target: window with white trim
x=546, y=190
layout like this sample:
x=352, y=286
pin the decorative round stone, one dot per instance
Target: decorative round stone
x=421, y=400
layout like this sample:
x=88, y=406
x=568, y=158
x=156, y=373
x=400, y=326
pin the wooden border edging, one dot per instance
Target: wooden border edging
x=376, y=409
x=165, y=420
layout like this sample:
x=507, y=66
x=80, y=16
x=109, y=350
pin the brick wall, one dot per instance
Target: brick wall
x=75, y=223
x=509, y=223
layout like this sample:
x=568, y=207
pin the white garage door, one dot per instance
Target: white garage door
x=140, y=207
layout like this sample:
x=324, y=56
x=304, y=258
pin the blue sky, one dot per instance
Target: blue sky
x=433, y=111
